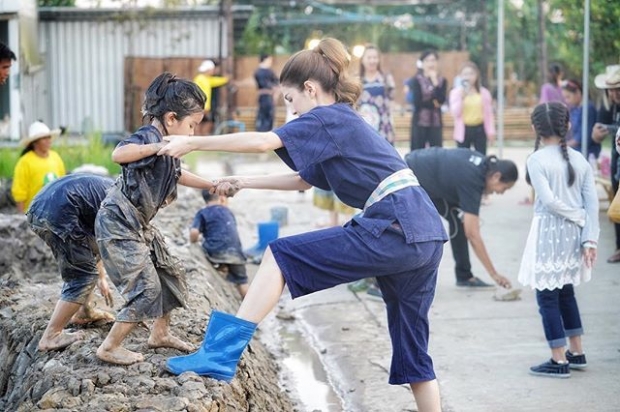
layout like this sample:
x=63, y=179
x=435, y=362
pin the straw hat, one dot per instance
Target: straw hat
x=38, y=130
x=206, y=65
x=610, y=79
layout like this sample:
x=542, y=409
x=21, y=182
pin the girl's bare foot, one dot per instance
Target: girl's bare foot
x=92, y=316
x=169, y=341
x=119, y=356
x=59, y=341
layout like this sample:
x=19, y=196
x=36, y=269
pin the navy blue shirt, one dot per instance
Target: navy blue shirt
x=220, y=238
x=333, y=148
x=265, y=78
x=68, y=206
x=575, y=132
x=456, y=175
x=149, y=183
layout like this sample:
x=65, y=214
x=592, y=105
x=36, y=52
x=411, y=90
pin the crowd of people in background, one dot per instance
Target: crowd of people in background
x=339, y=139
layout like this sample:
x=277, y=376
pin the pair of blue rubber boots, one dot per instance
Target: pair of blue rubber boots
x=225, y=340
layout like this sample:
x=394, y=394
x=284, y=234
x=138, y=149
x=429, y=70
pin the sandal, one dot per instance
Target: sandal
x=615, y=258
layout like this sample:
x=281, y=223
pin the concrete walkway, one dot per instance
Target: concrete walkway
x=482, y=348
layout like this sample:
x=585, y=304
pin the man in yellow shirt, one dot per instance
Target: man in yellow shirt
x=37, y=166
x=207, y=81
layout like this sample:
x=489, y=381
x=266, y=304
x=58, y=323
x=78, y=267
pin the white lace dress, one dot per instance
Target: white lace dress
x=564, y=218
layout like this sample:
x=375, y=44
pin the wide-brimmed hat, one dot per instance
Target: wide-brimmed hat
x=610, y=79
x=38, y=130
x=206, y=65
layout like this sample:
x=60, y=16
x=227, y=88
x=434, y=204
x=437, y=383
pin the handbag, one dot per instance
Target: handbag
x=614, y=208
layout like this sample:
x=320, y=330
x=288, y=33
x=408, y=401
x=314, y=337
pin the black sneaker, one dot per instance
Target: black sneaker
x=576, y=361
x=474, y=283
x=551, y=369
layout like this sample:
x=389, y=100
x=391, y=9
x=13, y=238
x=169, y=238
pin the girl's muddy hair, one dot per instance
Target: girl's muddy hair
x=552, y=120
x=326, y=64
x=167, y=93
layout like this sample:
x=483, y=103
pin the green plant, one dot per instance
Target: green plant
x=89, y=151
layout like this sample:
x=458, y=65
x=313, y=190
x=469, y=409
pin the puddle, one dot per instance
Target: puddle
x=308, y=380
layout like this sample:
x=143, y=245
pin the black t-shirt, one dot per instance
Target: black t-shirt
x=265, y=78
x=457, y=176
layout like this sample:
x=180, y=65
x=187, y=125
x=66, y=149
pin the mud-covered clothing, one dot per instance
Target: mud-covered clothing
x=149, y=183
x=220, y=239
x=63, y=215
x=398, y=239
x=32, y=172
x=134, y=254
x=455, y=180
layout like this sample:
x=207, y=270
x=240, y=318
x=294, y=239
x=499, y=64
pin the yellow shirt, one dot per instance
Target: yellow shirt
x=472, y=110
x=32, y=173
x=207, y=83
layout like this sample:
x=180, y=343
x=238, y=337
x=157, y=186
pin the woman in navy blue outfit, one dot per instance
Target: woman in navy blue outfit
x=398, y=238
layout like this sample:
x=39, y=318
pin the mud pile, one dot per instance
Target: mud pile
x=75, y=380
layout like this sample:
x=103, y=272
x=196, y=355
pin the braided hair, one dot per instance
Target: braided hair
x=552, y=120
x=166, y=94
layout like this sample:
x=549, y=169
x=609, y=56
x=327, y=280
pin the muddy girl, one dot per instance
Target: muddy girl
x=150, y=279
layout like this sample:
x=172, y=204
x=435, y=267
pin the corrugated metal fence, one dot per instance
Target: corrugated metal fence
x=85, y=51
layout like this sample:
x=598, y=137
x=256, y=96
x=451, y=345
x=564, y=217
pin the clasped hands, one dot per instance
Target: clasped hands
x=226, y=186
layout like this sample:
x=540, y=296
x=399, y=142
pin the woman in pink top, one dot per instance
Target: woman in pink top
x=551, y=91
x=472, y=108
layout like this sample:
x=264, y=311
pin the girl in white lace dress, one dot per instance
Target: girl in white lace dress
x=561, y=246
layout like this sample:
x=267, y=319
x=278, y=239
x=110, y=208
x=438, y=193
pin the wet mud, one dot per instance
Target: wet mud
x=75, y=380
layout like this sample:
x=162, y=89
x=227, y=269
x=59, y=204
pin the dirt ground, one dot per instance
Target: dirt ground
x=74, y=380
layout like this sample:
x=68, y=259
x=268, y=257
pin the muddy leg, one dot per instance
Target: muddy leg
x=111, y=350
x=54, y=337
x=161, y=337
x=88, y=314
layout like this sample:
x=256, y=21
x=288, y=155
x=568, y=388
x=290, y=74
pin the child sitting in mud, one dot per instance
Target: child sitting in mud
x=63, y=215
x=220, y=239
x=133, y=252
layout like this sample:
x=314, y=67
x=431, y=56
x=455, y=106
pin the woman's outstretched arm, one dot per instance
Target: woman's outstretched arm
x=244, y=142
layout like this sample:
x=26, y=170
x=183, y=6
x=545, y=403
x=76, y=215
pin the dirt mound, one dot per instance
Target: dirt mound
x=74, y=380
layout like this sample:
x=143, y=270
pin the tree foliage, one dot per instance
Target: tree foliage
x=56, y=3
x=462, y=25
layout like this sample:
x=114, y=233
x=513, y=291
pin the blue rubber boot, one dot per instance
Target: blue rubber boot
x=267, y=232
x=225, y=340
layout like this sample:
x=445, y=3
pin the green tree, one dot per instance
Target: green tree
x=56, y=3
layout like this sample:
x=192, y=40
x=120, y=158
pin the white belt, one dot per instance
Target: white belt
x=396, y=181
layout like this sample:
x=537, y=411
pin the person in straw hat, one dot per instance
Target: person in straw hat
x=38, y=165
x=607, y=123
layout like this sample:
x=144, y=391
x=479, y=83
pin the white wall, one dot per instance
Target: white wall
x=84, y=61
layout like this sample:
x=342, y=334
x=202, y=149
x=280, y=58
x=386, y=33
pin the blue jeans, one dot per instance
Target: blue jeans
x=560, y=315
